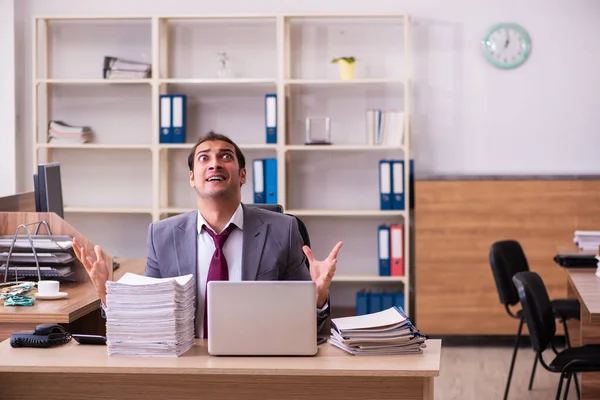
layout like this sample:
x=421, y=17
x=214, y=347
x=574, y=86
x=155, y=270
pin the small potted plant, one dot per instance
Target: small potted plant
x=346, y=67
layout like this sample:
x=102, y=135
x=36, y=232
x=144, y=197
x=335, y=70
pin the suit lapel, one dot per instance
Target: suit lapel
x=255, y=233
x=186, y=244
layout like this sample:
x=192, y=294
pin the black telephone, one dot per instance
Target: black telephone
x=44, y=335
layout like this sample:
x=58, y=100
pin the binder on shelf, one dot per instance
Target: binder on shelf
x=270, y=168
x=165, y=106
x=385, y=184
x=362, y=302
x=397, y=250
x=375, y=302
x=258, y=181
x=397, y=186
x=271, y=117
x=368, y=301
x=383, y=241
x=178, y=118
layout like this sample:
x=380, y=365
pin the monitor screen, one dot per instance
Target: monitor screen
x=49, y=189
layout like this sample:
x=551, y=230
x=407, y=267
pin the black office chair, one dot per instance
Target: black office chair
x=539, y=316
x=270, y=207
x=507, y=258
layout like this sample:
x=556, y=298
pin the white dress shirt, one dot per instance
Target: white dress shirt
x=232, y=250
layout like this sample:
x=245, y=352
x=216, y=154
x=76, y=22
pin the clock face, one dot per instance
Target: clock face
x=506, y=45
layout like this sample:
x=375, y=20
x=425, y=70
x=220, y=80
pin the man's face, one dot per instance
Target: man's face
x=216, y=170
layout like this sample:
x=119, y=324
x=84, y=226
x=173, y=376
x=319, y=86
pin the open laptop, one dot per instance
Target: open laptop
x=262, y=318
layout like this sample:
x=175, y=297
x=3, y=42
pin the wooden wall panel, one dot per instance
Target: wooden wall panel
x=457, y=221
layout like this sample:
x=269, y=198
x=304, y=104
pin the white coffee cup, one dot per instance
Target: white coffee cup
x=48, y=288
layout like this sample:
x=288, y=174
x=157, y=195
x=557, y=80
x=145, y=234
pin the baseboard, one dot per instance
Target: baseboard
x=490, y=340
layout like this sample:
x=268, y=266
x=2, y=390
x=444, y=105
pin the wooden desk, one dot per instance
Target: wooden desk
x=78, y=312
x=583, y=284
x=76, y=371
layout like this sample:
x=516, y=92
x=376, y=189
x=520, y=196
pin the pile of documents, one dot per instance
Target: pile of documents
x=150, y=316
x=119, y=68
x=60, y=132
x=587, y=240
x=387, y=332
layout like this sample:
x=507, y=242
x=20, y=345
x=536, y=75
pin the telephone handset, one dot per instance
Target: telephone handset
x=44, y=335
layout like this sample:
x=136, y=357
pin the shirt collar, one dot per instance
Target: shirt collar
x=237, y=218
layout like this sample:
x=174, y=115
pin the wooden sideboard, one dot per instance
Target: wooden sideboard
x=456, y=221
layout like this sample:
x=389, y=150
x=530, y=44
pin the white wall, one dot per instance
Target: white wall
x=8, y=179
x=470, y=118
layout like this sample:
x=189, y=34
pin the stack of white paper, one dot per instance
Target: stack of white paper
x=587, y=240
x=383, y=333
x=150, y=316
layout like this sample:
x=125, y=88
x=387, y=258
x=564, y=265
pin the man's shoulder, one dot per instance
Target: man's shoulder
x=173, y=221
x=271, y=217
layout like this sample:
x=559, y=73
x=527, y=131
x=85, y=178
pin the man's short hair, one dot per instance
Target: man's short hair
x=213, y=136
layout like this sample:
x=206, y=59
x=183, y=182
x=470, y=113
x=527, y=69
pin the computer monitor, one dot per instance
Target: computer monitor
x=48, y=189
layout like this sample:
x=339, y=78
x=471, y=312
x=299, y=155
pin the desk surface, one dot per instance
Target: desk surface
x=329, y=361
x=587, y=285
x=81, y=300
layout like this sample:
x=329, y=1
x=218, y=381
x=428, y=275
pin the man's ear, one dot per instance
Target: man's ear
x=192, y=178
x=242, y=176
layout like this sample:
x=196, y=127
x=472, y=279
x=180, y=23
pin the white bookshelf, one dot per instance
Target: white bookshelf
x=126, y=178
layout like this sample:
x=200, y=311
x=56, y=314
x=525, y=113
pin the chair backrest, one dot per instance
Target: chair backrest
x=506, y=259
x=537, y=309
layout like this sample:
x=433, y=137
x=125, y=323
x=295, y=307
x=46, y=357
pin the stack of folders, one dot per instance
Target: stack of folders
x=150, y=316
x=587, y=240
x=119, y=68
x=392, y=186
x=60, y=132
x=387, y=332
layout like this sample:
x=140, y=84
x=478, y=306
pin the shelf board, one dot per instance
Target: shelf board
x=94, y=81
x=188, y=146
x=368, y=278
x=175, y=210
x=109, y=210
x=211, y=81
x=358, y=81
x=346, y=213
x=95, y=146
x=341, y=147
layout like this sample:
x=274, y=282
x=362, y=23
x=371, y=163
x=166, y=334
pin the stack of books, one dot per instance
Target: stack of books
x=150, y=316
x=387, y=332
x=60, y=132
x=119, y=68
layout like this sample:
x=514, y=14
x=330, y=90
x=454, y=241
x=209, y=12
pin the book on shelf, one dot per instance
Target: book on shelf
x=385, y=127
x=119, y=68
x=387, y=332
x=150, y=316
x=59, y=132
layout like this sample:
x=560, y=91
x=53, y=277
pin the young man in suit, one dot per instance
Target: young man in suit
x=224, y=239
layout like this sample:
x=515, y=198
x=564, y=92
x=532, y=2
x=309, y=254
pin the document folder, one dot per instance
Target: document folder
x=178, y=105
x=384, y=250
x=397, y=185
x=385, y=184
x=270, y=165
x=165, y=118
x=271, y=118
x=258, y=181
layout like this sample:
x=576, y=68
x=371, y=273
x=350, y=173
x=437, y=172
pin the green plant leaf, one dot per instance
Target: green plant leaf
x=349, y=60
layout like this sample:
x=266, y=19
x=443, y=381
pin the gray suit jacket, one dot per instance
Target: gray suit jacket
x=272, y=249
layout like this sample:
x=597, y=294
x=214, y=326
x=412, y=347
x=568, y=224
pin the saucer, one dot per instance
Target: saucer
x=56, y=296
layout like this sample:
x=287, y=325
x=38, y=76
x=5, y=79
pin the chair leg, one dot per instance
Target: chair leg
x=560, y=382
x=577, y=386
x=567, y=339
x=514, y=356
x=567, y=387
x=535, y=361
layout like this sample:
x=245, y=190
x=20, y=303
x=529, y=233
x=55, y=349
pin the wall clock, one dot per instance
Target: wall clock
x=506, y=45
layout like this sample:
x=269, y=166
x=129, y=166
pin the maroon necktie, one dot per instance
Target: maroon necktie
x=218, y=270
